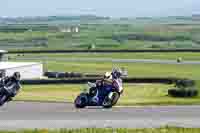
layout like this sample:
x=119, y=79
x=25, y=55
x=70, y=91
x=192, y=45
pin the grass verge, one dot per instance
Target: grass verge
x=134, y=94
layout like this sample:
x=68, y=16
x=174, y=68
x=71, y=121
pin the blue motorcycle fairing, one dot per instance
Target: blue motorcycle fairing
x=102, y=93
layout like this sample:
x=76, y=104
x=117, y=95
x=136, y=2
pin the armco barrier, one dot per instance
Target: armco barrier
x=85, y=80
x=103, y=51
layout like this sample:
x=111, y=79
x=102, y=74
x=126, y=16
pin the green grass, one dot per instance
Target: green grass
x=171, y=56
x=110, y=130
x=134, y=94
x=134, y=69
x=64, y=93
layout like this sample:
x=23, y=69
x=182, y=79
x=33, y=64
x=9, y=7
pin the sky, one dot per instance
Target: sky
x=112, y=8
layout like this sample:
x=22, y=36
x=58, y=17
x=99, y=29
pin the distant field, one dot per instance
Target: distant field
x=136, y=34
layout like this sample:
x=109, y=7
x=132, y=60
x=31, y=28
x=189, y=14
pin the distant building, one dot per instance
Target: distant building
x=76, y=29
x=2, y=55
x=65, y=30
x=71, y=29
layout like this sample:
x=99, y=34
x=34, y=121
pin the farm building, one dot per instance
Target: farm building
x=28, y=70
x=2, y=55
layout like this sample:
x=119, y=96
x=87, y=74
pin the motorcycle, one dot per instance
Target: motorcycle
x=96, y=96
x=6, y=93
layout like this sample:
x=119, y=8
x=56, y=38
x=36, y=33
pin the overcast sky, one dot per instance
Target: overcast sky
x=114, y=8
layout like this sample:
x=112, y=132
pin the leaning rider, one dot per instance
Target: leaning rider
x=112, y=79
x=12, y=84
x=111, y=82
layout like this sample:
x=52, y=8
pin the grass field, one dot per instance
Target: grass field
x=145, y=34
x=170, y=56
x=56, y=62
x=134, y=69
x=110, y=130
x=134, y=94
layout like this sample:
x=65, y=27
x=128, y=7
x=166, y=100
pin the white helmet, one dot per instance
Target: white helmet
x=116, y=73
x=108, y=75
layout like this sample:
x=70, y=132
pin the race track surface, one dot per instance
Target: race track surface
x=17, y=115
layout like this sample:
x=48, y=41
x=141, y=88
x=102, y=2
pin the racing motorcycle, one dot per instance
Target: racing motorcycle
x=97, y=96
x=7, y=92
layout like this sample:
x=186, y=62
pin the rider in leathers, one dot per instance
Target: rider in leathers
x=112, y=79
x=12, y=84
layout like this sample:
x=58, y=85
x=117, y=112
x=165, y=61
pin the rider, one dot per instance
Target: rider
x=117, y=81
x=12, y=84
x=112, y=78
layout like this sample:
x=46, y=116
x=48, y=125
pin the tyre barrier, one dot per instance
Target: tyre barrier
x=51, y=74
x=85, y=80
x=182, y=93
x=76, y=75
x=71, y=75
x=63, y=75
x=59, y=81
x=183, y=83
x=150, y=80
x=93, y=75
x=184, y=88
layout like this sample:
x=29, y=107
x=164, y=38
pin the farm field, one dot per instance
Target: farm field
x=160, y=33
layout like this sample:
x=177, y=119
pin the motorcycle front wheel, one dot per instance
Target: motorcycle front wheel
x=109, y=102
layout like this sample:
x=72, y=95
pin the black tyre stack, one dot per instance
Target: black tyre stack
x=63, y=75
x=182, y=93
x=184, y=88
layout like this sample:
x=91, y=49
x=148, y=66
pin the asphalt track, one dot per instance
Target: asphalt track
x=159, y=61
x=17, y=115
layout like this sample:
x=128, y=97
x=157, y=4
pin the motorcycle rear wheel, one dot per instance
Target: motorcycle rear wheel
x=81, y=101
x=3, y=99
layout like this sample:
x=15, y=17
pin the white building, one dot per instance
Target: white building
x=76, y=29
x=2, y=55
x=28, y=70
